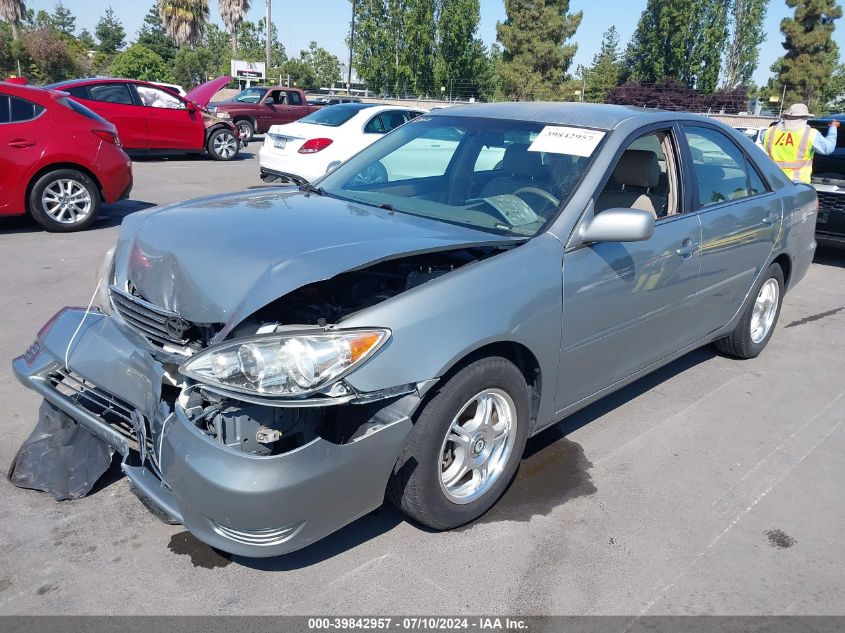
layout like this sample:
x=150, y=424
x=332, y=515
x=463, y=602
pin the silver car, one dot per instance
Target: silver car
x=272, y=363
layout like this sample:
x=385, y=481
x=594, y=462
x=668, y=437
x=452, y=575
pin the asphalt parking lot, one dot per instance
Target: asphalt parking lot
x=712, y=486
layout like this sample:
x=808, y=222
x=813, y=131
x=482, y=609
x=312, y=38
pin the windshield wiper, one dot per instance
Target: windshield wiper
x=309, y=188
x=387, y=207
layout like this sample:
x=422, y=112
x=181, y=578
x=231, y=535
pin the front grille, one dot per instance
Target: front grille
x=115, y=412
x=831, y=201
x=157, y=324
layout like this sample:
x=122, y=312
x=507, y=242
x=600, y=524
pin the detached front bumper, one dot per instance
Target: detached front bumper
x=241, y=503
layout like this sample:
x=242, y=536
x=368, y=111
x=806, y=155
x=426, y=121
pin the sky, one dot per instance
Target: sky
x=327, y=22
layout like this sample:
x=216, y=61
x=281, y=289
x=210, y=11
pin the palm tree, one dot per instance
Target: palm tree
x=233, y=13
x=13, y=11
x=184, y=20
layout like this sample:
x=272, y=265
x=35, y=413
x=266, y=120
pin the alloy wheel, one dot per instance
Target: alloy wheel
x=67, y=201
x=225, y=145
x=765, y=309
x=477, y=446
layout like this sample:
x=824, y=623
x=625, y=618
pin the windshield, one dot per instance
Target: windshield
x=483, y=173
x=333, y=116
x=250, y=95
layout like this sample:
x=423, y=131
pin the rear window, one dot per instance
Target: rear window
x=80, y=109
x=15, y=110
x=333, y=116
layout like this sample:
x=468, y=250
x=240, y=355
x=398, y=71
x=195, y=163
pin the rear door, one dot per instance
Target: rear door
x=171, y=123
x=24, y=133
x=740, y=221
x=116, y=102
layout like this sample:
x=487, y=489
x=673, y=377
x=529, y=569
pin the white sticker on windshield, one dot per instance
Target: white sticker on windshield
x=574, y=141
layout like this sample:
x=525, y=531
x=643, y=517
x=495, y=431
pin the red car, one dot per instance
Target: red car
x=153, y=120
x=59, y=161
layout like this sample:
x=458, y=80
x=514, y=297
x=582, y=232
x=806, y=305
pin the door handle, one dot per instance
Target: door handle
x=21, y=143
x=688, y=248
x=770, y=219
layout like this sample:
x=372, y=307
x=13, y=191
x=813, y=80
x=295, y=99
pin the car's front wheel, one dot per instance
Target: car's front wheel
x=245, y=129
x=222, y=144
x=64, y=200
x=758, y=321
x=465, y=446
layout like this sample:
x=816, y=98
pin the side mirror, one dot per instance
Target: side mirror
x=619, y=225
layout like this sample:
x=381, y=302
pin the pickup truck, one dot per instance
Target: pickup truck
x=255, y=109
x=829, y=183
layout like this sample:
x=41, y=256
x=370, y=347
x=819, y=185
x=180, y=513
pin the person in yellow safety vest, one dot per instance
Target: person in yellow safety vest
x=792, y=142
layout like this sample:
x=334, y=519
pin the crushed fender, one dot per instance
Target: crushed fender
x=59, y=457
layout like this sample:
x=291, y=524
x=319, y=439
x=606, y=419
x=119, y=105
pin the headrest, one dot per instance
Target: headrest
x=637, y=168
x=520, y=162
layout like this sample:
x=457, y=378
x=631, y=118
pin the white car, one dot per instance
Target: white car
x=304, y=150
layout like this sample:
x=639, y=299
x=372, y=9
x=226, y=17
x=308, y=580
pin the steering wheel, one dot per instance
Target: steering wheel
x=538, y=192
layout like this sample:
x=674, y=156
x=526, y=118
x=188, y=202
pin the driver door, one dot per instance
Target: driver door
x=626, y=306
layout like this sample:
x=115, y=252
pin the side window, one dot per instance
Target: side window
x=722, y=172
x=276, y=97
x=21, y=110
x=374, y=126
x=294, y=98
x=393, y=119
x=155, y=98
x=111, y=93
x=80, y=92
x=645, y=177
x=4, y=109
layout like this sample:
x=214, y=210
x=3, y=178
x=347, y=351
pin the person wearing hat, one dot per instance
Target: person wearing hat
x=792, y=143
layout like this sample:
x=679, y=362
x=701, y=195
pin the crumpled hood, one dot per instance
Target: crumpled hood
x=221, y=258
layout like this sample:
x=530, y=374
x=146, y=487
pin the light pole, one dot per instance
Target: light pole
x=268, y=20
x=351, y=47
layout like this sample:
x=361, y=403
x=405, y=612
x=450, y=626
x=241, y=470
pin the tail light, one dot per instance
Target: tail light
x=315, y=145
x=108, y=136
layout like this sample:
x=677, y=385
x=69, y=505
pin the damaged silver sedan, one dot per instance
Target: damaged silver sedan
x=271, y=364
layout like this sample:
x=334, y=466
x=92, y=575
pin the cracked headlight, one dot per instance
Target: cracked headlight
x=284, y=364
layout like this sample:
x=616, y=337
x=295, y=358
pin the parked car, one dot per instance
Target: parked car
x=309, y=350
x=255, y=109
x=60, y=161
x=753, y=133
x=332, y=100
x=829, y=182
x=154, y=120
x=303, y=151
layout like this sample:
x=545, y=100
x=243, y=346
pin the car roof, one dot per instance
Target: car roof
x=593, y=115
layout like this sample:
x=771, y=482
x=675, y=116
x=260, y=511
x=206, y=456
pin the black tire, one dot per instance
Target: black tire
x=42, y=213
x=222, y=144
x=415, y=485
x=740, y=343
x=246, y=129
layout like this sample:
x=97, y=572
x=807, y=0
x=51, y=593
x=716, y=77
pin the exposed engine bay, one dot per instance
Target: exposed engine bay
x=329, y=301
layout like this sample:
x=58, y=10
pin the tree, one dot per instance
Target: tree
x=457, y=50
x=191, y=65
x=86, y=40
x=326, y=66
x=747, y=35
x=811, y=54
x=153, y=36
x=63, y=20
x=536, y=56
x=46, y=57
x=139, y=62
x=110, y=33
x=681, y=40
x=372, y=44
x=606, y=70
x=233, y=13
x=300, y=74
x=184, y=20
x=13, y=11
